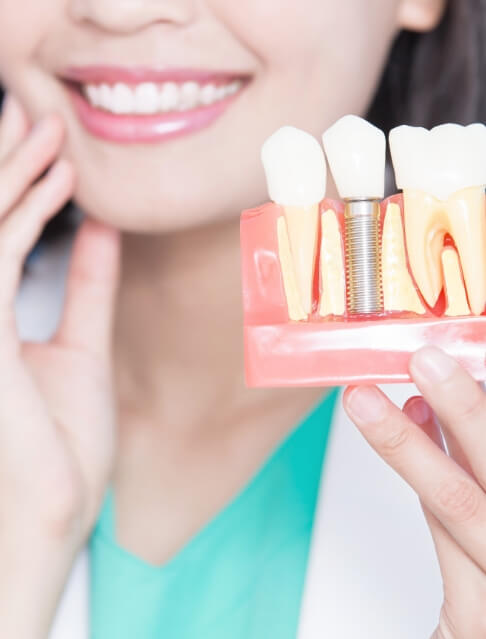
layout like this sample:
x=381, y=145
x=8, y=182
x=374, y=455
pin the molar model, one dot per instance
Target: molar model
x=417, y=259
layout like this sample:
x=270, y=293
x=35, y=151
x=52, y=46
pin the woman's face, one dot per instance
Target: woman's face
x=303, y=63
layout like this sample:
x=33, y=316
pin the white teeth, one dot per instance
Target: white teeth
x=123, y=99
x=441, y=161
x=146, y=98
x=169, y=97
x=220, y=93
x=356, y=153
x=189, y=97
x=149, y=98
x=105, y=96
x=295, y=168
x=93, y=94
x=208, y=94
x=233, y=88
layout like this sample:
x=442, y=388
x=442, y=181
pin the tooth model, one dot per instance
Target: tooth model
x=338, y=292
x=295, y=167
x=356, y=152
x=442, y=173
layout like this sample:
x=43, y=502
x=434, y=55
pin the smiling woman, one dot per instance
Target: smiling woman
x=407, y=92
x=132, y=426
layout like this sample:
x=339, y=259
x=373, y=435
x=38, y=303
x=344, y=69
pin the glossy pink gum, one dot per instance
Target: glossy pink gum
x=330, y=352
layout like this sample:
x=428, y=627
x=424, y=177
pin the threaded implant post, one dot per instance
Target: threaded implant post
x=363, y=257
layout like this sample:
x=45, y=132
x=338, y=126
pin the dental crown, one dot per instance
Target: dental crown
x=295, y=168
x=441, y=161
x=356, y=153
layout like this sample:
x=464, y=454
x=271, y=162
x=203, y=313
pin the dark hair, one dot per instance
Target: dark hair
x=438, y=76
x=430, y=78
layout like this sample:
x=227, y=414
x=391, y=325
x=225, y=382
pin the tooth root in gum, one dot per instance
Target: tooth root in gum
x=427, y=220
x=457, y=303
x=292, y=293
x=467, y=214
x=332, y=278
x=424, y=235
x=399, y=293
x=302, y=224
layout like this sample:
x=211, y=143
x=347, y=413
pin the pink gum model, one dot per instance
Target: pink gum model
x=335, y=351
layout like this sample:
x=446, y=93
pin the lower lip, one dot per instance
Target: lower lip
x=126, y=129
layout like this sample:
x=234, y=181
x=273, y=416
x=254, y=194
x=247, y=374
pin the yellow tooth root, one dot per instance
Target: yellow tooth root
x=302, y=226
x=399, y=293
x=454, y=286
x=292, y=293
x=427, y=221
x=332, y=276
x=467, y=214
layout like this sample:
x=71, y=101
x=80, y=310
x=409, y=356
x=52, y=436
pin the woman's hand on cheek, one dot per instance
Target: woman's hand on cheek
x=451, y=488
x=57, y=416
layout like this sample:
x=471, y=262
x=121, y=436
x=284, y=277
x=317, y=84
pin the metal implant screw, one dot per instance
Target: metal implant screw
x=363, y=257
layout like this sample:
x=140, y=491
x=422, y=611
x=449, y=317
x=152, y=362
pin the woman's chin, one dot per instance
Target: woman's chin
x=139, y=215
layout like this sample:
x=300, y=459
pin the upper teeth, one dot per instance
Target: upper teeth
x=151, y=98
x=442, y=173
x=356, y=153
x=441, y=161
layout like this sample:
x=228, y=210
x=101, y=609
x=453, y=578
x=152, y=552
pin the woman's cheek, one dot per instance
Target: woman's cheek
x=24, y=24
x=283, y=31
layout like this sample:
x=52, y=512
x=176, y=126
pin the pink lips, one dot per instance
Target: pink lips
x=144, y=128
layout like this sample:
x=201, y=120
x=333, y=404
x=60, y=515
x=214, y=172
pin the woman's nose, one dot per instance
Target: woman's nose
x=125, y=16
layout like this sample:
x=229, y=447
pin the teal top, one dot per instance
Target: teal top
x=240, y=576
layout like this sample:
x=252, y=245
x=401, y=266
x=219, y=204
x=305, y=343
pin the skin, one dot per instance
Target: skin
x=107, y=396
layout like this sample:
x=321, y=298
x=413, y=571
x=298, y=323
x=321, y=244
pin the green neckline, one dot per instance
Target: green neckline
x=105, y=527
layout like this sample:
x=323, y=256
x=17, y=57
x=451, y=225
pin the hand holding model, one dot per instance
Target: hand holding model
x=451, y=487
x=381, y=275
x=56, y=447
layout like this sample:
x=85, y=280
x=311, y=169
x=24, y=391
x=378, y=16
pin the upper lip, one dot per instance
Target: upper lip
x=135, y=75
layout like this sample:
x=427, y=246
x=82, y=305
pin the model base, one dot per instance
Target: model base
x=334, y=353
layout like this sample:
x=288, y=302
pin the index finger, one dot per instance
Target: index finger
x=450, y=493
x=459, y=403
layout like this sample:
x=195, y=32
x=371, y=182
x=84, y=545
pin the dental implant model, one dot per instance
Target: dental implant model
x=356, y=153
x=338, y=292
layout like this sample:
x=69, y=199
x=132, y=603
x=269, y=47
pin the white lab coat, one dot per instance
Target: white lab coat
x=372, y=570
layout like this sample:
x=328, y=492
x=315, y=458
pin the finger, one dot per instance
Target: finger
x=464, y=582
x=420, y=413
x=91, y=289
x=450, y=554
x=14, y=125
x=19, y=231
x=416, y=412
x=452, y=496
x=25, y=163
x=459, y=403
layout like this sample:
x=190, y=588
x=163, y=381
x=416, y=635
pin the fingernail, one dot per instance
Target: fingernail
x=366, y=404
x=419, y=412
x=433, y=364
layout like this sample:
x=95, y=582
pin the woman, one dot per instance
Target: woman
x=136, y=405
